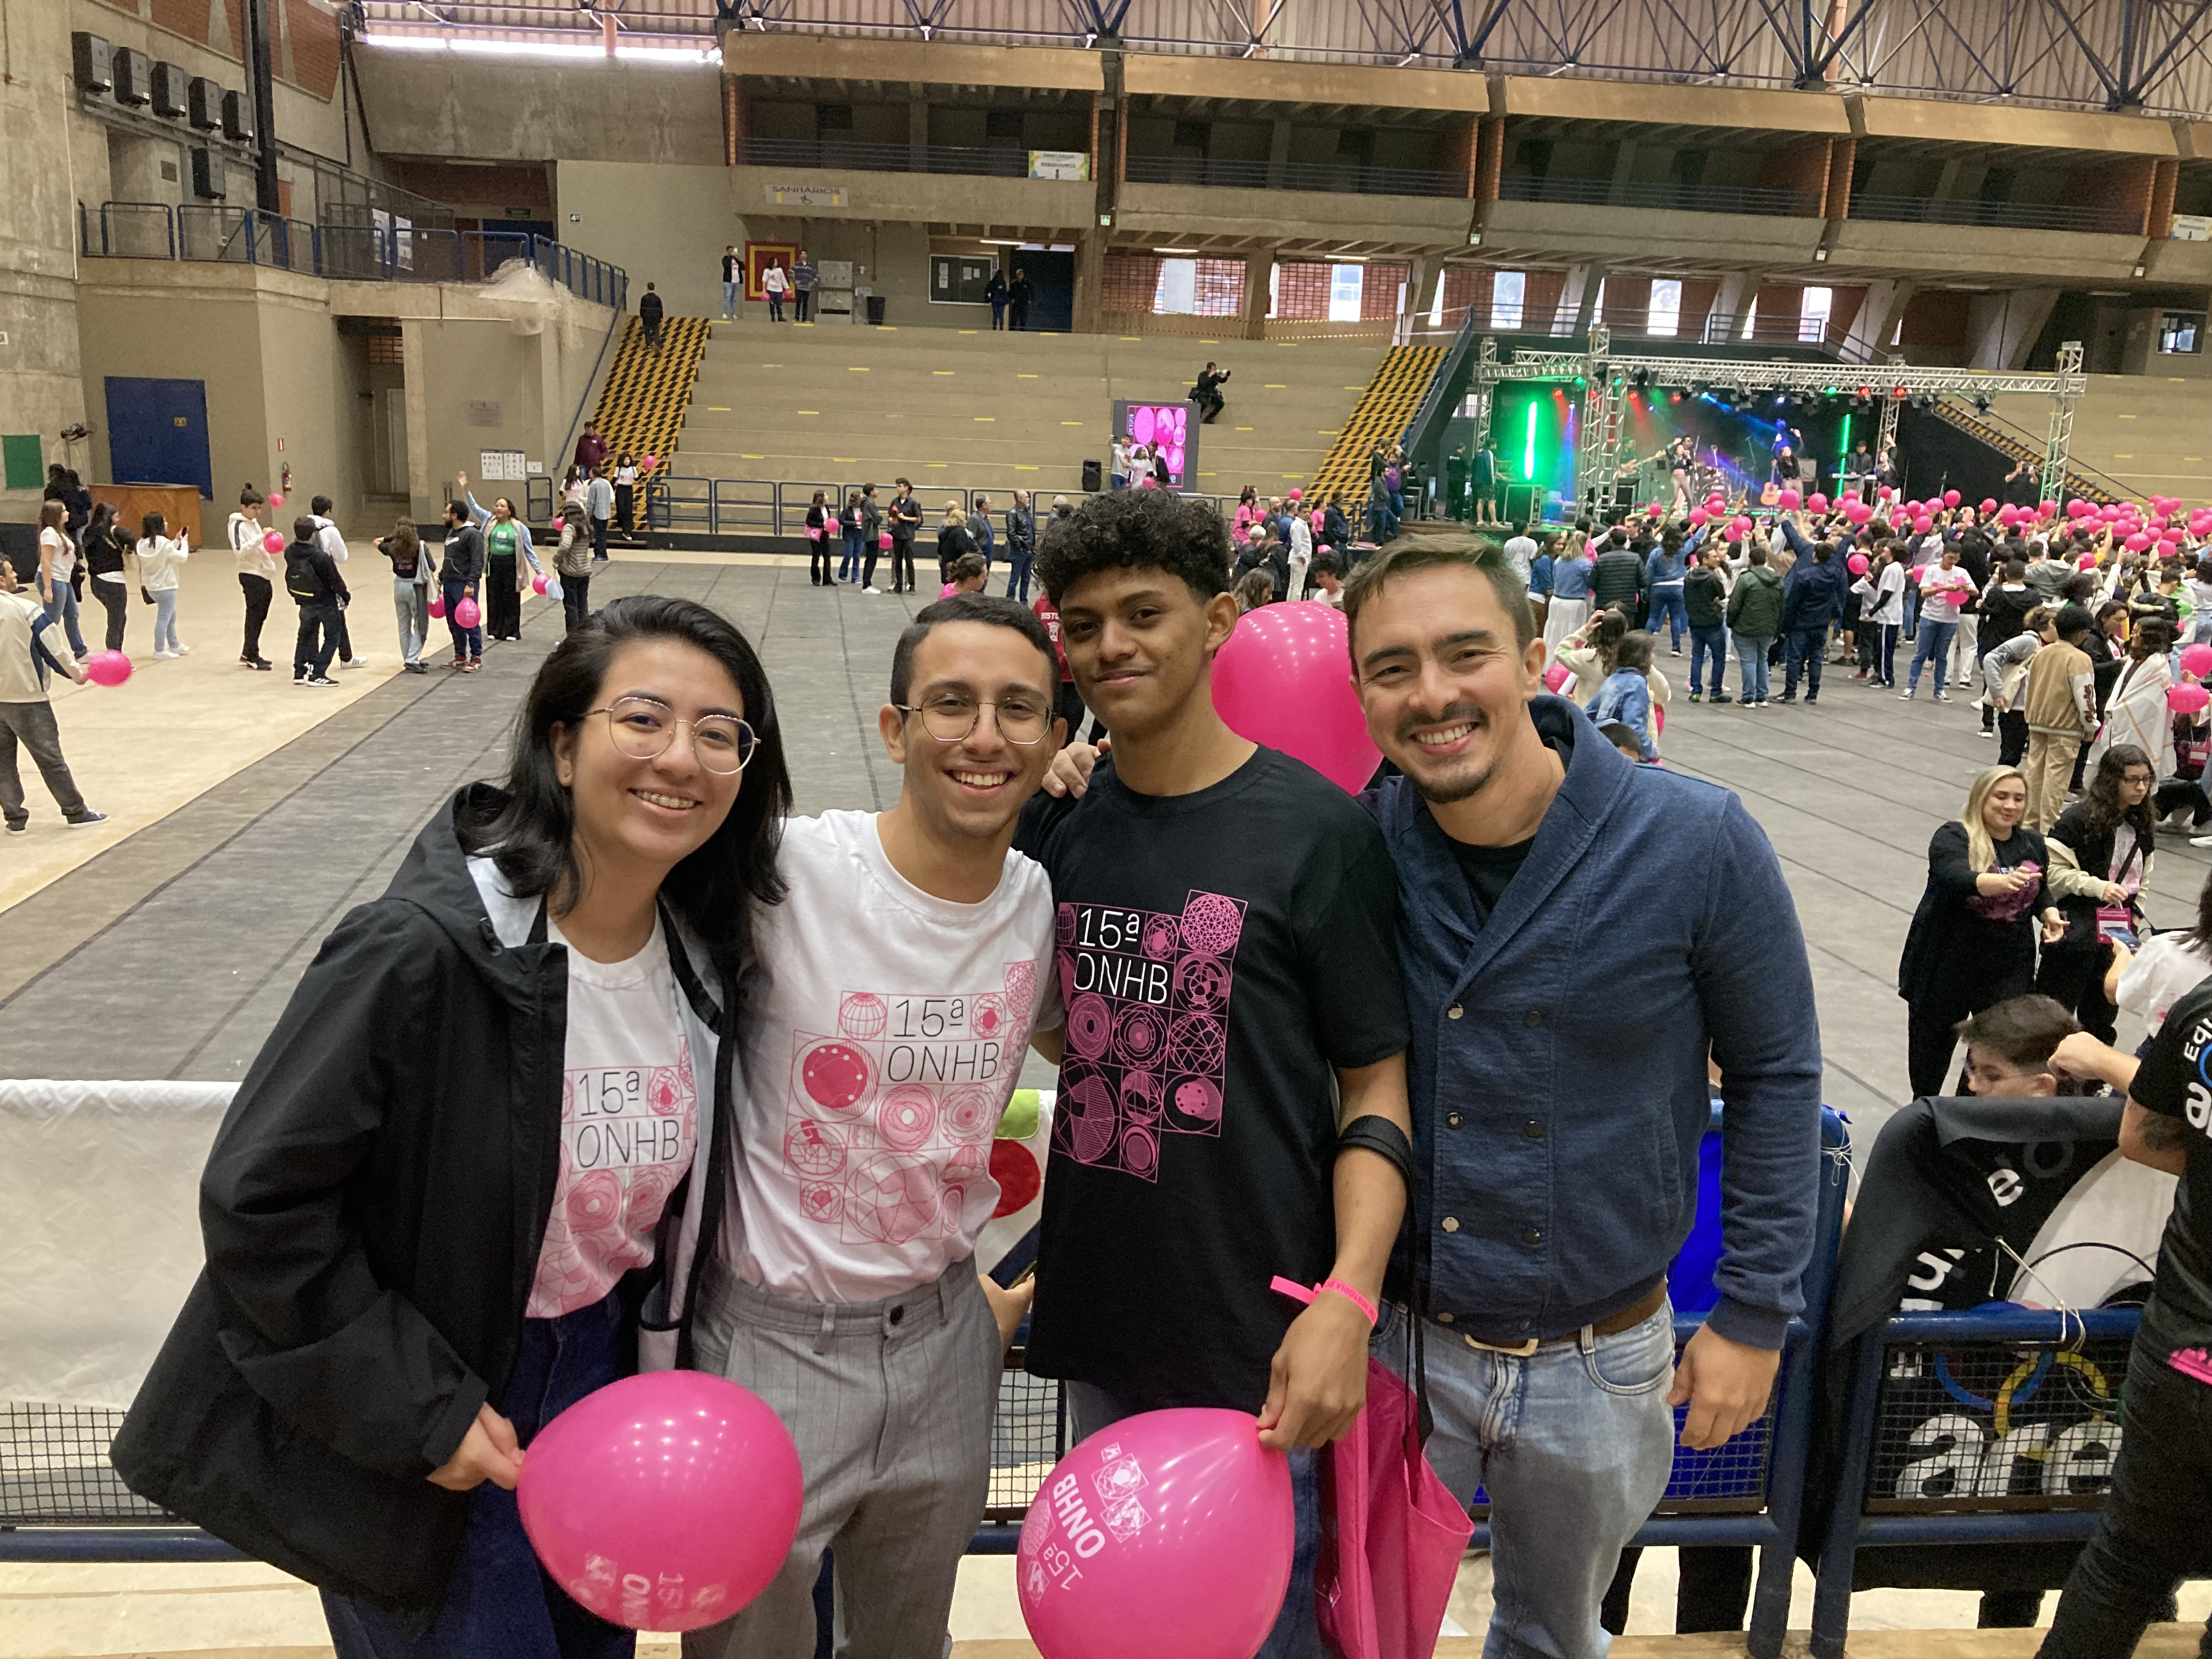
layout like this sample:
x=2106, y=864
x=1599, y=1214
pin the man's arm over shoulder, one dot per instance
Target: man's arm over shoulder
x=1755, y=989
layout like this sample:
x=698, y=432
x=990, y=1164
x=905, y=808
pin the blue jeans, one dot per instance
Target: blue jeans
x=64, y=610
x=1703, y=643
x=849, y=567
x=1750, y=654
x=1667, y=605
x=1571, y=1444
x=1017, y=576
x=165, y=619
x=467, y=642
x=1802, y=649
x=1935, y=643
x=730, y=300
x=500, y=1599
x=775, y=306
x=1297, y=1634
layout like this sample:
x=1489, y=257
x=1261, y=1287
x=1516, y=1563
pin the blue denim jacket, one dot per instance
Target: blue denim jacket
x=1625, y=697
x=1557, y=1067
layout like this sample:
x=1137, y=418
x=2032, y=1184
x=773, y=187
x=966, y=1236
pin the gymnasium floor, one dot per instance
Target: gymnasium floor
x=249, y=816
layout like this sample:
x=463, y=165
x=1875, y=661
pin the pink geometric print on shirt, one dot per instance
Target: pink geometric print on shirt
x=1147, y=996
x=2192, y=1362
x=883, y=1119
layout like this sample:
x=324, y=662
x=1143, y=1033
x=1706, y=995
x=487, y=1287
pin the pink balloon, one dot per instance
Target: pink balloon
x=1790, y=500
x=275, y=501
x=649, y=462
x=437, y=605
x=2047, y=508
x=109, y=668
x=2086, y=562
x=1856, y=564
x=1697, y=516
x=1988, y=505
x=1716, y=504
x=274, y=541
x=1740, y=526
x=1284, y=679
x=1557, y=676
x=1950, y=498
x=1923, y=525
x=468, y=613
x=558, y=525
x=2187, y=699
x=1653, y=510
x=1817, y=502
x=538, y=583
x=2135, y=544
x=1168, y=1533
x=2078, y=509
x=1912, y=509
x=1884, y=493
x=665, y=1501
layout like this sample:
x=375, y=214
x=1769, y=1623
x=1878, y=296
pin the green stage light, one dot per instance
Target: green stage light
x=1529, y=446
x=1843, y=449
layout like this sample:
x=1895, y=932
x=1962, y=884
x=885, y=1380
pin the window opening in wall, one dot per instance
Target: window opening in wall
x=833, y=117
x=1436, y=305
x=1750, y=320
x=1345, y=284
x=1812, y=313
x=1665, y=316
x=1002, y=124
x=2181, y=333
x=1193, y=135
x=1507, y=294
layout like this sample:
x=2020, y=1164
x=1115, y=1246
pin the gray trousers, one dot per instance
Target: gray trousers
x=890, y=1403
x=31, y=725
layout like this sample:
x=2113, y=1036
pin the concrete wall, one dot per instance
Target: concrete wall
x=433, y=104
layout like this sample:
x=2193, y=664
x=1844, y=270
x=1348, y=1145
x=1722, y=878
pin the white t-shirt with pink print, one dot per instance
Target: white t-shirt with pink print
x=882, y=1035
x=629, y=1123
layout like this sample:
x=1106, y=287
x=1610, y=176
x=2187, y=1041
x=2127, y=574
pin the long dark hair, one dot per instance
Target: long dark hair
x=529, y=829
x=2101, y=812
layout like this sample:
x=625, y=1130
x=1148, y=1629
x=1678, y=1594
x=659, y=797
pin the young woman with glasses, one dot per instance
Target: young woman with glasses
x=467, y=1169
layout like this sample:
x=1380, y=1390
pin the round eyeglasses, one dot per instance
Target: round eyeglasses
x=642, y=729
x=949, y=717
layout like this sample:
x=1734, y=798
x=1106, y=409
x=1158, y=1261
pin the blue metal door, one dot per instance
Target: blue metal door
x=157, y=433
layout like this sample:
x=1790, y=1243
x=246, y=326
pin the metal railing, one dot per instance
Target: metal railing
x=2106, y=220
x=686, y=504
x=1661, y=193
x=210, y=233
x=881, y=158
x=1338, y=178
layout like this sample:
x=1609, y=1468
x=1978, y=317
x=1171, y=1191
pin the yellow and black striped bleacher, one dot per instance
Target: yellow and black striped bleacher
x=1380, y=416
x=641, y=407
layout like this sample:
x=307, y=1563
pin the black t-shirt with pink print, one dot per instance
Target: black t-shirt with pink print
x=1218, y=954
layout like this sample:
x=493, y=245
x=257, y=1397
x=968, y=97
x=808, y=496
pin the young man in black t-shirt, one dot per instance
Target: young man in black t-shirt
x=1226, y=949
x=2157, y=1526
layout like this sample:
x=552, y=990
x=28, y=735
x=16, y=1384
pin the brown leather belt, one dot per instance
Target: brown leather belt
x=1611, y=1325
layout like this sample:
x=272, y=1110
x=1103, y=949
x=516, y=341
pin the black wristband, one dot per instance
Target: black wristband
x=1379, y=1135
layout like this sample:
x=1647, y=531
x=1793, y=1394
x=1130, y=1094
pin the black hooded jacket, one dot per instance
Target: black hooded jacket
x=373, y=1207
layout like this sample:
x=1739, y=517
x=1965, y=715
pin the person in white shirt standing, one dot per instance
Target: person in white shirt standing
x=600, y=505
x=26, y=717
x=160, y=555
x=328, y=538
x=1301, y=549
x=775, y=285
x=898, y=984
x=256, y=569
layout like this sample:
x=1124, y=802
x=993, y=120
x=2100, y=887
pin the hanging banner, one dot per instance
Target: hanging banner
x=1059, y=164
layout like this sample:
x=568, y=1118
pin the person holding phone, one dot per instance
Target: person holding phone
x=423, y=1239
x=2100, y=855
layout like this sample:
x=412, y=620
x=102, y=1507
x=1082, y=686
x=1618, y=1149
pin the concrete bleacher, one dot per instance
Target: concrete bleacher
x=2151, y=434
x=975, y=409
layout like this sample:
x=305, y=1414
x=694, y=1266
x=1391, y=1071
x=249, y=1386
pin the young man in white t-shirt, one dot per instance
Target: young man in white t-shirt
x=884, y=1025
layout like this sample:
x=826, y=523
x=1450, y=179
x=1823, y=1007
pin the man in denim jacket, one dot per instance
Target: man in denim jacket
x=1562, y=1025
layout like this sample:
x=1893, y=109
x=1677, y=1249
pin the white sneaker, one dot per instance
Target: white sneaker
x=877, y=591
x=166, y=656
x=1904, y=696
x=184, y=651
x=1942, y=696
x=355, y=662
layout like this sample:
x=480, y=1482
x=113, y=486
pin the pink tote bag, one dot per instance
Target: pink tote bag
x=1392, y=1534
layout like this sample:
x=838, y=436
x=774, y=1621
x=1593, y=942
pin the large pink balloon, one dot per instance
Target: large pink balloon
x=468, y=612
x=437, y=605
x=1950, y=498
x=274, y=541
x=1789, y=500
x=1169, y=1532
x=1557, y=676
x=1284, y=679
x=2196, y=659
x=1856, y=564
x=275, y=501
x=665, y=1501
x=112, y=667
x=2188, y=699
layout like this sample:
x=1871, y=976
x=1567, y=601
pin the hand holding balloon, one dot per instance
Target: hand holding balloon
x=1318, y=1381
x=488, y=1451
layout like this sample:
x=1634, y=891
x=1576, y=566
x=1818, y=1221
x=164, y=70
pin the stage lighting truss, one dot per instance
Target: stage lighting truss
x=1604, y=379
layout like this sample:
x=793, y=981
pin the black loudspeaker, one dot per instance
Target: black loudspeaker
x=203, y=103
x=1094, y=477
x=93, y=59
x=1523, y=503
x=170, y=98
x=133, y=74
x=238, y=116
x=207, y=176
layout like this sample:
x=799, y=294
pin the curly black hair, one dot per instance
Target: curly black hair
x=1130, y=528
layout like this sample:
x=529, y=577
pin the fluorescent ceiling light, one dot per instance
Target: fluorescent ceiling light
x=1175, y=250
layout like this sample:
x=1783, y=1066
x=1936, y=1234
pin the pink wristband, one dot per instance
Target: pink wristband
x=1291, y=1288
